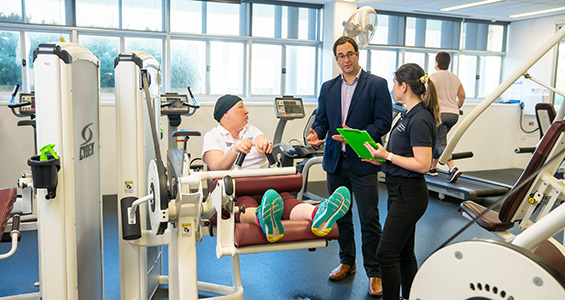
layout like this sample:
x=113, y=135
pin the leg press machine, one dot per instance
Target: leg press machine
x=174, y=206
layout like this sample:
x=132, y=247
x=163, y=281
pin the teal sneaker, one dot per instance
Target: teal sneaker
x=269, y=214
x=330, y=210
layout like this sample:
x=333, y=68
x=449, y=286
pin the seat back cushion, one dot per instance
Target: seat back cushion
x=7, y=199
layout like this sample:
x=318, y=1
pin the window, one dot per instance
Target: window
x=10, y=11
x=226, y=69
x=264, y=20
x=299, y=23
x=186, y=16
x=484, y=37
x=431, y=33
x=142, y=15
x=381, y=34
x=188, y=66
x=93, y=13
x=476, y=47
x=287, y=22
x=383, y=64
x=415, y=57
x=489, y=74
x=468, y=77
x=496, y=38
x=45, y=11
x=300, y=70
x=106, y=49
x=266, y=69
x=151, y=46
x=215, y=47
x=410, y=32
x=222, y=18
x=10, y=60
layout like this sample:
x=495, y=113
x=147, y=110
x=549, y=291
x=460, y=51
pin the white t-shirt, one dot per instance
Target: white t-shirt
x=447, y=85
x=220, y=139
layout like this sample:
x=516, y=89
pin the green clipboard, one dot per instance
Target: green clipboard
x=356, y=139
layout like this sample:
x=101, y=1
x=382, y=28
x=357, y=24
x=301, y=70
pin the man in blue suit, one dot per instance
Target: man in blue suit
x=359, y=100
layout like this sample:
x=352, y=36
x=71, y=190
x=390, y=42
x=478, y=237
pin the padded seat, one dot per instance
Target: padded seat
x=247, y=234
x=7, y=199
x=489, y=220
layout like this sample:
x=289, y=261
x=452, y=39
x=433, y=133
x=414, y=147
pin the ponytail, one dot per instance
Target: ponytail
x=431, y=101
x=421, y=85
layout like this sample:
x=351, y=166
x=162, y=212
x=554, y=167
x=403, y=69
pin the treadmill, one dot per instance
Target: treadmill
x=466, y=187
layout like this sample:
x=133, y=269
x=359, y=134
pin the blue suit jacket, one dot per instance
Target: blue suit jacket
x=370, y=109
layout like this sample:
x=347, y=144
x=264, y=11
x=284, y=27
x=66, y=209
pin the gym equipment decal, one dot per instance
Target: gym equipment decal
x=86, y=148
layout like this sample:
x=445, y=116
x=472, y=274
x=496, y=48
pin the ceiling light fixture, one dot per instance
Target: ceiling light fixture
x=539, y=12
x=472, y=4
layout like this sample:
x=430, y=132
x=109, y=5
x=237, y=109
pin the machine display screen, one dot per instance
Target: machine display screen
x=172, y=103
x=289, y=108
x=28, y=110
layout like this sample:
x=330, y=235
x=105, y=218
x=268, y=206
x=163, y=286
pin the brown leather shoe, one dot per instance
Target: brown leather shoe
x=375, y=286
x=342, y=271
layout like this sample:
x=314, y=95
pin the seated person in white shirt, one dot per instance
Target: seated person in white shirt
x=221, y=147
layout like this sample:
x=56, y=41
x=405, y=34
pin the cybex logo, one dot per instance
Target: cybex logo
x=86, y=148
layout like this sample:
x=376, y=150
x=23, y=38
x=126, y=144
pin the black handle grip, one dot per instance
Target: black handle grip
x=16, y=223
x=461, y=155
x=524, y=149
x=271, y=159
x=239, y=159
x=15, y=90
x=129, y=231
x=195, y=105
x=15, y=105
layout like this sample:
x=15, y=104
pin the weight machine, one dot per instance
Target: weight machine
x=524, y=266
x=67, y=180
x=175, y=206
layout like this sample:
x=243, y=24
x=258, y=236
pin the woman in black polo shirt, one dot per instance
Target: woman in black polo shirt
x=408, y=156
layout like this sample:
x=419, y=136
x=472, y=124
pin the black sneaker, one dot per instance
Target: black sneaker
x=432, y=172
x=454, y=174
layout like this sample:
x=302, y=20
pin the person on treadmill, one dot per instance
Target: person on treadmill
x=451, y=96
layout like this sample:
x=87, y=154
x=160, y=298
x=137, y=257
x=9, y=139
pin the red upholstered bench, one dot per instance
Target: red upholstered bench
x=295, y=230
x=7, y=199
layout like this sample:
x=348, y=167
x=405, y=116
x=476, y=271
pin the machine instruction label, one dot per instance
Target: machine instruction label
x=128, y=187
x=186, y=231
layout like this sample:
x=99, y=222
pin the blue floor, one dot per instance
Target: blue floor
x=298, y=274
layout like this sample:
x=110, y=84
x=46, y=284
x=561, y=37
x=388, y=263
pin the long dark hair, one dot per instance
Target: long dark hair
x=421, y=85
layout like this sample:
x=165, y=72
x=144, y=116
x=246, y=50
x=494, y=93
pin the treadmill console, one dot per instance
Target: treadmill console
x=174, y=104
x=288, y=108
x=29, y=108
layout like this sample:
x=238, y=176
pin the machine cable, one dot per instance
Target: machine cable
x=161, y=171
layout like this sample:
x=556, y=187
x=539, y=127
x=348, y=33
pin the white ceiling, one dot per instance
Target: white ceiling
x=495, y=12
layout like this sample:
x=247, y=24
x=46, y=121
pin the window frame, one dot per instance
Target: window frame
x=166, y=36
x=397, y=35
